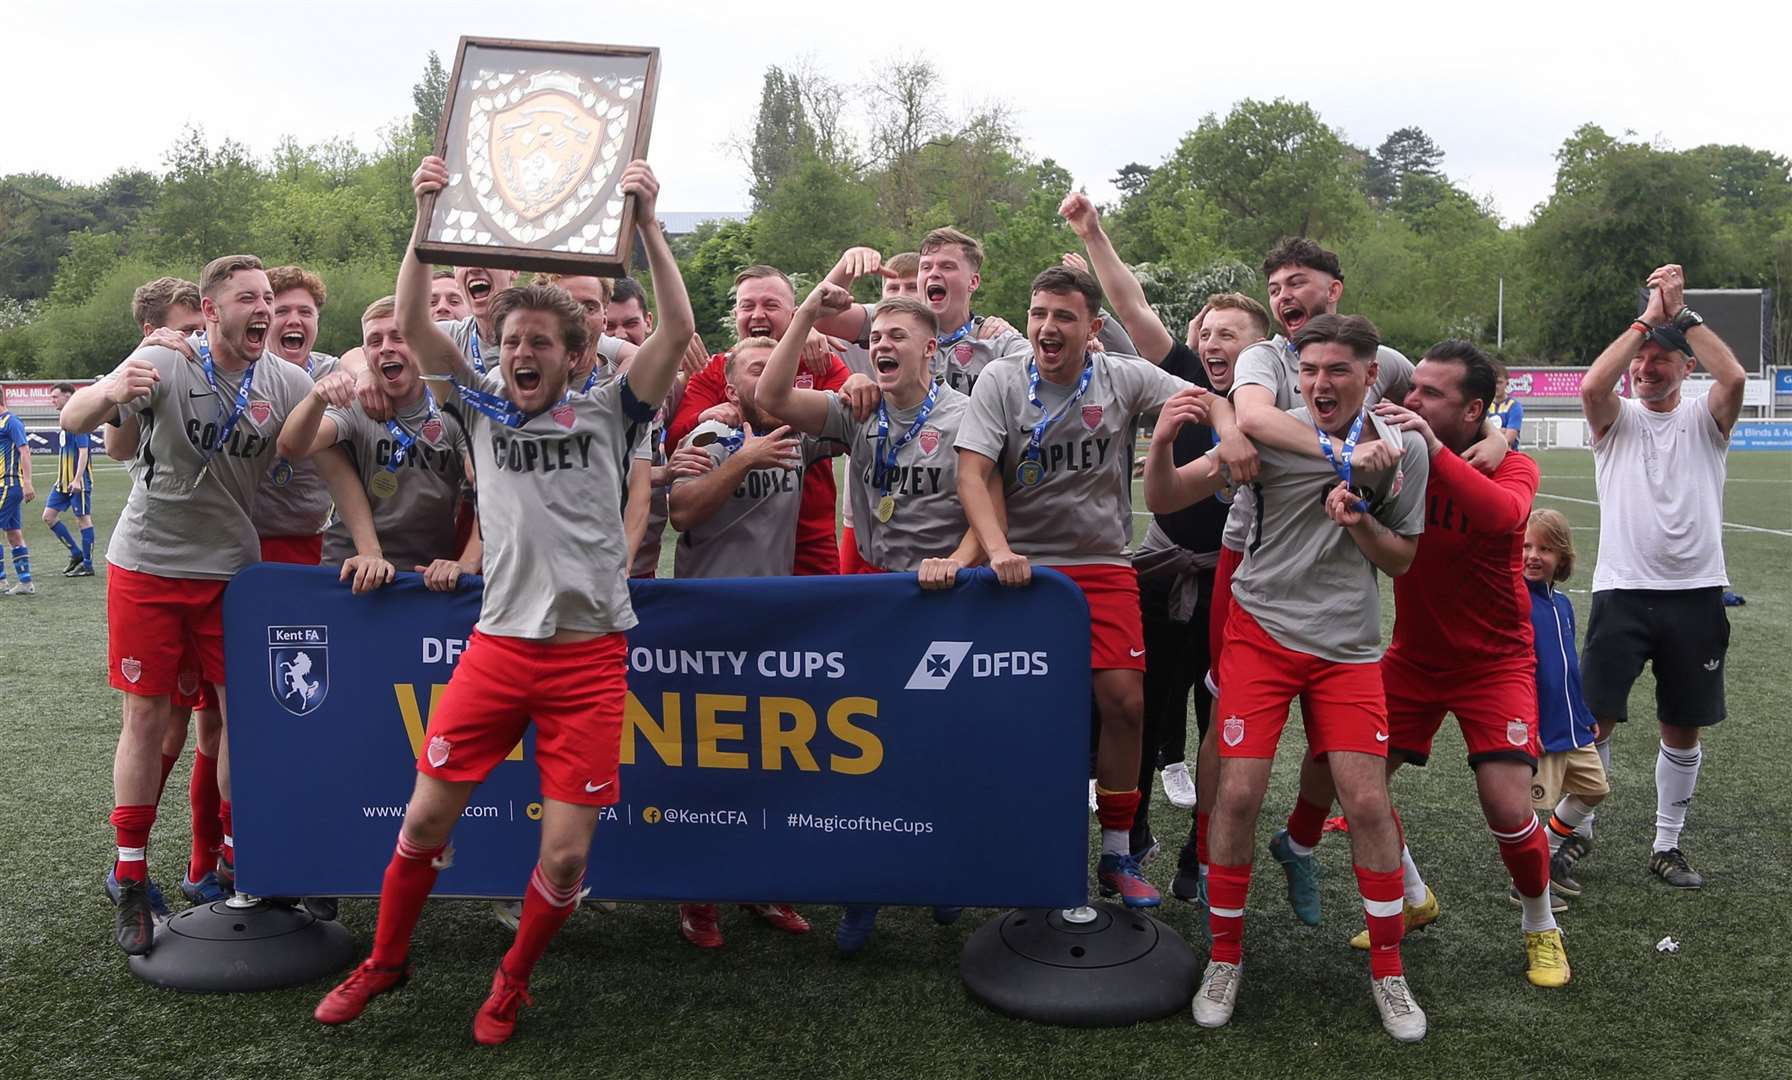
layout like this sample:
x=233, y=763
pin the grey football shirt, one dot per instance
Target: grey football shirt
x=550, y=512
x=416, y=523
x=928, y=521
x=169, y=526
x=1275, y=365
x=647, y=556
x=964, y=361
x=753, y=532
x=294, y=500
x=1081, y=511
x=1307, y=583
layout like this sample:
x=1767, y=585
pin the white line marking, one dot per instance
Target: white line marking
x=1728, y=524
x=1727, y=480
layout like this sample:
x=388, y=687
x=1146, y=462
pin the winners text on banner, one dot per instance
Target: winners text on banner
x=790, y=739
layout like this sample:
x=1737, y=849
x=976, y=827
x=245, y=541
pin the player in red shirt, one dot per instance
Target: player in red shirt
x=764, y=301
x=1462, y=636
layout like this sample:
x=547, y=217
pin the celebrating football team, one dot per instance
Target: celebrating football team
x=542, y=432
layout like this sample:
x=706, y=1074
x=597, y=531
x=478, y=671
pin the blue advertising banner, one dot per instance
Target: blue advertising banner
x=819, y=739
x=1762, y=435
x=1782, y=381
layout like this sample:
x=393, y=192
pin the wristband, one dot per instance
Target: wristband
x=1641, y=327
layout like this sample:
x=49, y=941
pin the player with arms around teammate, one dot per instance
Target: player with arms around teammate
x=15, y=491
x=72, y=492
x=208, y=431
x=1056, y=429
x=411, y=469
x=903, y=481
x=1305, y=624
x=549, y=646
x=1659, y=460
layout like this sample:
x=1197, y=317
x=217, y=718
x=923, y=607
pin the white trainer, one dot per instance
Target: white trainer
x=1179, y=786
x=1218, y=994
x=1400, y=1014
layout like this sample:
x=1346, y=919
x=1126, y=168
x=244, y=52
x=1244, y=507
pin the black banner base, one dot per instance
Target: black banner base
x=1099, y=966
x=217, y=948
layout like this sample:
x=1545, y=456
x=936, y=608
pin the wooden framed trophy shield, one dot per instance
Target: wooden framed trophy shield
x=535, y=135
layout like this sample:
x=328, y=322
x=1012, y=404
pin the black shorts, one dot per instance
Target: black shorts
x=1682, y=633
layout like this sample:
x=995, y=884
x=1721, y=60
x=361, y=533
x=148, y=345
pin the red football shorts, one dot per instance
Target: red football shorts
x=850, y=560
x=1341, y=705
x=1495, y=704
x=574, y=693
x=299, y=550
x=1222, y=603
x=1116, y=634
x=151, y=621
x=191, y=691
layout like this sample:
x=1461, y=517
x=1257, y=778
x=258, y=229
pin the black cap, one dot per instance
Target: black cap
x=1670, y=338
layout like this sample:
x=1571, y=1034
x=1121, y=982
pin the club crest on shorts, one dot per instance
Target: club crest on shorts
x=299, y=667
x=1517, y=733
x=563, y=415
x=131, y=668
x=1232, y=731
x=929, y=440
x=187, y=682
x=962, y=352
x=1091, y=416
x=260, y=411
x=438, y=751
x=432, y=430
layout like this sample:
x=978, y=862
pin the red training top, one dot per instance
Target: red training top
x=1463, y=602
x=816, y=549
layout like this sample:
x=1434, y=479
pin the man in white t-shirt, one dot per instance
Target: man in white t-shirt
x=1658, y=587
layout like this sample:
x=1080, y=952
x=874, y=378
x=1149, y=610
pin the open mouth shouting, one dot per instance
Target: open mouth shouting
x=255, y=336
x=526, y=377
x=1218, y=367
x=935, y=291
x=1292, y=316
x=479, y=286
x=292, y=344
x=886, y=364
x=391, y=369
x=1326, y=410
x=759, y=327
x=1051, y=350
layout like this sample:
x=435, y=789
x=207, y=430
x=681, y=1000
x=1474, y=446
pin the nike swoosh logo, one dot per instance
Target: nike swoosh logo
x=200, y=393
x=1136, y=652
x=1379, y=737
x=589, y=790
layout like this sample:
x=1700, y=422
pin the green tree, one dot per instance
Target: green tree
x=1407, y=152
x=708, y=260
x=1030, y=237
x=429, y=96
x=210, y=200
x=813, y=215
x=782, y=137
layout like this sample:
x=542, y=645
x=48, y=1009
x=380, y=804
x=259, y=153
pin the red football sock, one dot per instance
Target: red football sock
x=1116, y=809
x=1383, y=909
x=546, y=907
x=1525, y=851
x=1201, y=837
x=208, y=830
x=168, y=763
x=1306, y=823
x=131, y=825
x=409, y=877
x=1226, y=890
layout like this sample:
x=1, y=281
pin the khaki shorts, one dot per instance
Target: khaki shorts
x=1568, y=772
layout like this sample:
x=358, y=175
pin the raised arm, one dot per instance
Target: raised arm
x=434, y=350
x=849, y=322
x=308, y=430
x=1169, y=488
x=805, y=410
x=1725, y=398
x=656, y=364
x=1118, y=284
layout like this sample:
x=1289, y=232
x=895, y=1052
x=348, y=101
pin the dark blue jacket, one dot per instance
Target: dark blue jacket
x=1563, y=720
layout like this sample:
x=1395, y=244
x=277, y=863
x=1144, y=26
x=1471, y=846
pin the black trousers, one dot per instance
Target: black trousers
x=1175, y=661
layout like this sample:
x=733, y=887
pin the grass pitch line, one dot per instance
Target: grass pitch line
x=1728, y=524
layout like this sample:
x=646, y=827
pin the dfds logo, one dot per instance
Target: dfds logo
x=941, y=661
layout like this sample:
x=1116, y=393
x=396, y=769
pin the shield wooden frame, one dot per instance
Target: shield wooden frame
x=528, y=58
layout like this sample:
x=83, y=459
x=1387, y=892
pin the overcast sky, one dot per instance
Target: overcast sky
x=98, y=86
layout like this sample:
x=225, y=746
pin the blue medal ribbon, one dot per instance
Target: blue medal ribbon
x=473, y=345
x=226, y=423
x=1047, y=419
x=498, y=407
x=957, y=335
x=1341, y=462
x=886, y=451
x=405, y=439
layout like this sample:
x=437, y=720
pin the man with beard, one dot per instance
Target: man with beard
x=764, y=300
x=188, y=527
x=1659, y=459
x=1305, y=623
x=1058, y=431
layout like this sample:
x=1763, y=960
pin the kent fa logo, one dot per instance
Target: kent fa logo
x=299, y=667
x=939, y=662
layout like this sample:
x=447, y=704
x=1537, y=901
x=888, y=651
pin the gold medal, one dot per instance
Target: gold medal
x=384, y=484
x=886, y=508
